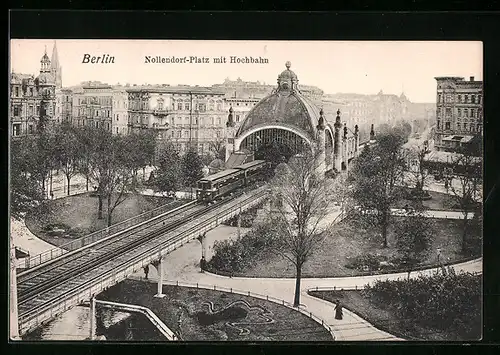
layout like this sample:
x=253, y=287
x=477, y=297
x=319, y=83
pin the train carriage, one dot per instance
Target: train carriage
x=223, y=182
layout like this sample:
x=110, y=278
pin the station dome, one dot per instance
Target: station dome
x=285, y=106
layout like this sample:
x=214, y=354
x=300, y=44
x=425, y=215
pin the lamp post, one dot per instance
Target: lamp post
x=201, y=239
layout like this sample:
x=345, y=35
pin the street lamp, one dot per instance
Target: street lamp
x=201, y=239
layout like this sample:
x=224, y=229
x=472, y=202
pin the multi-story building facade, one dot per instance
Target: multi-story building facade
x=119, y=110
x=64, y=106
x=92, y=105
x=185, y=115
x=241, y=107
x=256, y=89
x=32, y=100
x=459, y=112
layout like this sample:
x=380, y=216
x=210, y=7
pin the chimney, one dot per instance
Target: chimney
x=471, y=78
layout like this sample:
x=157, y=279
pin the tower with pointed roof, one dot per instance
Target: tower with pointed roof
x=55, y=67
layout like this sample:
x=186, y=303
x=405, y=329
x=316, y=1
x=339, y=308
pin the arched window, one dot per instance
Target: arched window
x=466, y=98
x=160, y=104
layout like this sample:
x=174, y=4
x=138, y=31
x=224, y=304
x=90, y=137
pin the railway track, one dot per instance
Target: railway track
x=38, y=291
x=31, y=283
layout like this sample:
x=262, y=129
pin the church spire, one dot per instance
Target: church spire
x=54, y=61
x=55, y=67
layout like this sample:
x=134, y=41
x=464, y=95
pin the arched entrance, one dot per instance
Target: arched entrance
x=274, y=144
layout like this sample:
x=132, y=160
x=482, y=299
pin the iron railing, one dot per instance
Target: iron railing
x=76, y=244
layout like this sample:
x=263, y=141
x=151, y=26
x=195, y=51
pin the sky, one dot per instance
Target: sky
x=363, y=67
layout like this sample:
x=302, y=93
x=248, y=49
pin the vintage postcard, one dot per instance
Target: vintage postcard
x=319, y=191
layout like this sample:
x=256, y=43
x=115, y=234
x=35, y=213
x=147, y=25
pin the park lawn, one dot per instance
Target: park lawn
x=439, y=201
x=287, y=324
x=78, y=213
x=384, y=318
x=331, y=257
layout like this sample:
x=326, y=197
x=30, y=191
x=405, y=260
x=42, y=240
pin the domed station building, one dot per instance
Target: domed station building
x=285, y=122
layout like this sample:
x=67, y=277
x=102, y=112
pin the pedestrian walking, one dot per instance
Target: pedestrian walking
x=338, y=310
x=146, y=271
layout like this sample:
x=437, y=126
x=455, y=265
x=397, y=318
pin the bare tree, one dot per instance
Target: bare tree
x=466, y=168
x=301, y=198
x=67, y=151
x=109, y=169
x=377, y=173
x=418, y=174
x=217, y=148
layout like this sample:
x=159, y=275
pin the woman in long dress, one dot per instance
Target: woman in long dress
x=338, y=310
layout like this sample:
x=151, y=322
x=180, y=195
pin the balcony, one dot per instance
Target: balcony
x=161, y=113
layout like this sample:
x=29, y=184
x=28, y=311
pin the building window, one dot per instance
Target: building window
x=479, y=99
x=160, y=105
x=218, y=121
x=17, y=111
x=448, y=112
x=458, y=126
x=16, y=91
x=172, y=134
x=440, y=97
x=465, y=126
x=237, y=118
x=173, y=120
x=466, y=98
x=219, y=107
x=466, y=112
x=213, y=120
x=117, y=130
x=447, y=125
x=472, y=112
x=187, y=107
x=16, y=130
x=459, y=99
x=202, y=107
x=459, y=112
x=473, y=99
x=179, y=106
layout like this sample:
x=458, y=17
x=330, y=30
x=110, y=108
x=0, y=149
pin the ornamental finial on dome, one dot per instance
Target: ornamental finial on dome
x=288, y=64
x=321, y=121
x=230, y=120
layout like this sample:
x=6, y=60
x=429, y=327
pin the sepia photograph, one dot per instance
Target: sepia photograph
x=226, y=190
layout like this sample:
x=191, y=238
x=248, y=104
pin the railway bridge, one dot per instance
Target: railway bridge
x=72, y=278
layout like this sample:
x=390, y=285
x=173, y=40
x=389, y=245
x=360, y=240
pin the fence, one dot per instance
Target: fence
x=76, y=244
x=256, y=295
x=153, y=318
x=87, y=290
